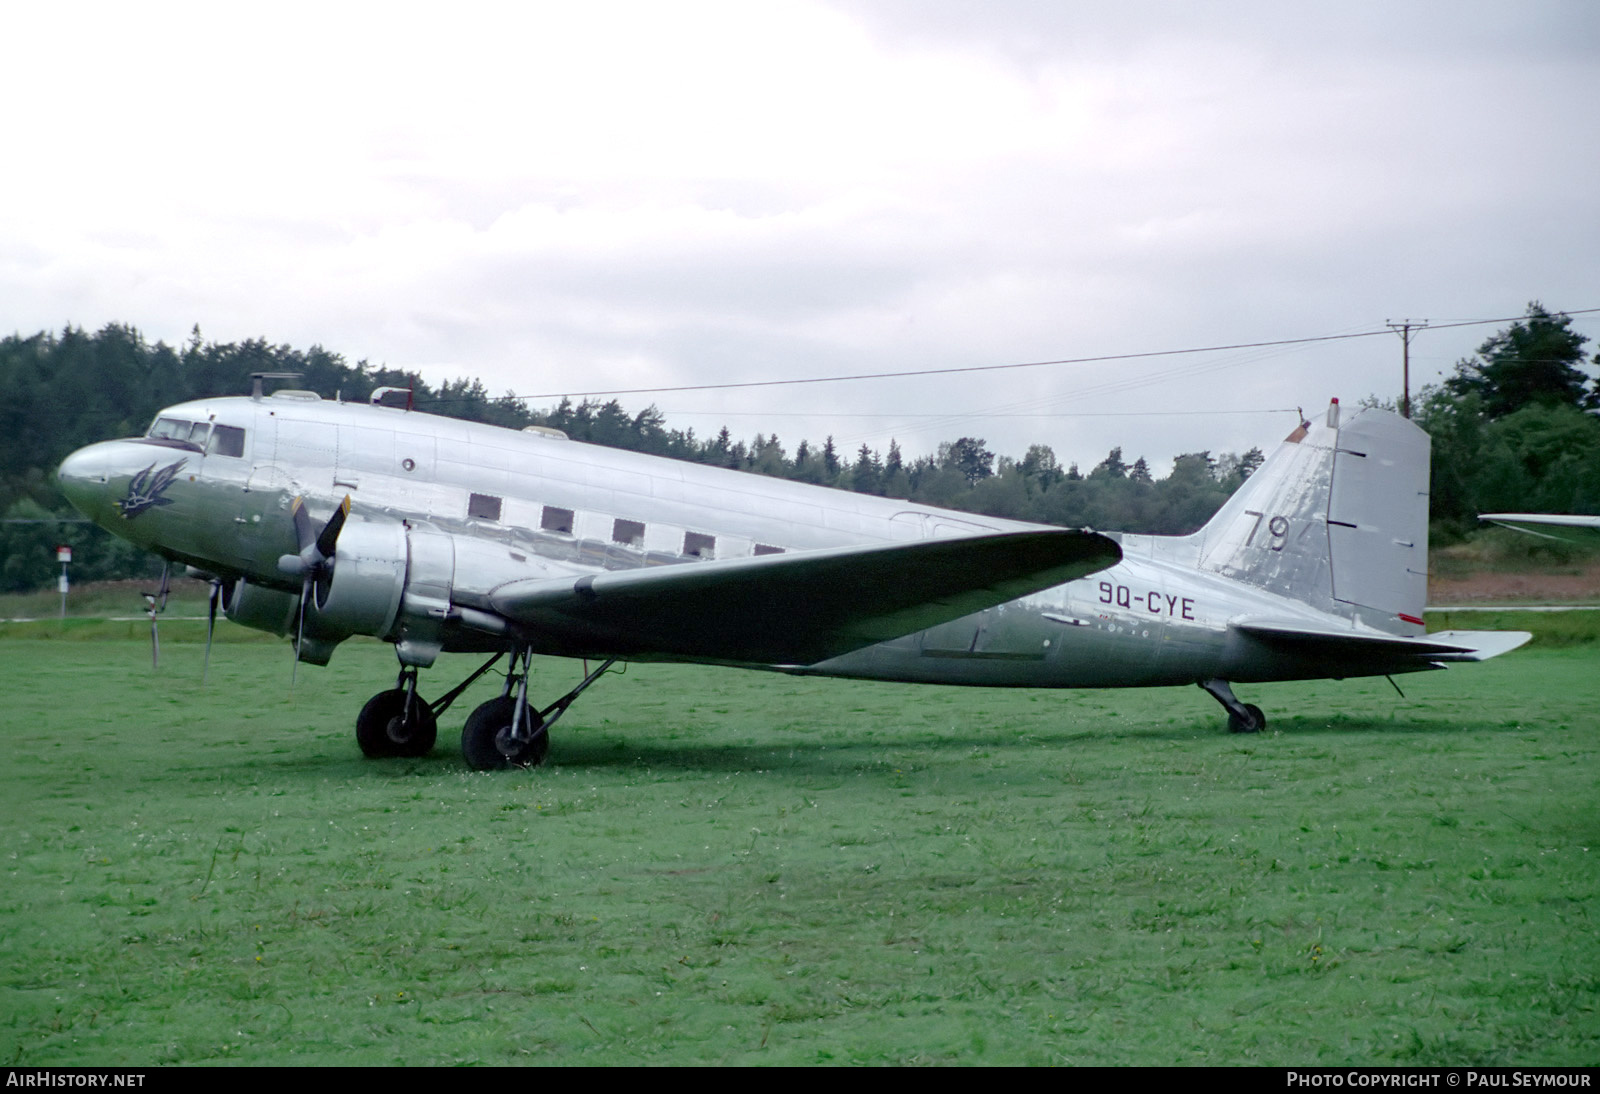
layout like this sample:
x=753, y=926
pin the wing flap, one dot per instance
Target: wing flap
x=1364, y=646
x=802, y=607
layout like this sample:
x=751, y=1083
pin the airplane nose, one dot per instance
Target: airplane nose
x=83, y=477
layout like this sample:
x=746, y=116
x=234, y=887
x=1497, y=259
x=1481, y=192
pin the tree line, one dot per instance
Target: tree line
x=1513, y=428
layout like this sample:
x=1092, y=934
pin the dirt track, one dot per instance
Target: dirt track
x=1566, y=584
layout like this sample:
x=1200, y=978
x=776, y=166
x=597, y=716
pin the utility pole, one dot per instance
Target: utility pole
x=1403, y=327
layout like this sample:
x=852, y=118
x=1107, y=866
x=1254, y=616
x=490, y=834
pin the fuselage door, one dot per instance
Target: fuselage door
x=222, y=473
x=265, y=527
x=364, y=455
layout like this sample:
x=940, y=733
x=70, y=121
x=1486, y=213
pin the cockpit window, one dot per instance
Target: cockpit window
x=226, y=440
x=171, y=429
x=179, y=433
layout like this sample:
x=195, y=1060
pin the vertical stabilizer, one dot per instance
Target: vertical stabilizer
x=1337, y=518
x=1273, y=532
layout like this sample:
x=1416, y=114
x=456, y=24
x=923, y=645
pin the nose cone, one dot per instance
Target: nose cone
x=85, y=480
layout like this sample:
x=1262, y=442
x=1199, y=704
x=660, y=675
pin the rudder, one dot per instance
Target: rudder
x=1378, y=520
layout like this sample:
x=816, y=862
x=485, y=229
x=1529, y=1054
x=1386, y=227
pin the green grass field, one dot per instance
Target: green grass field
x=719, y=866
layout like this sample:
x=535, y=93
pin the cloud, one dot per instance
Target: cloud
x=561, y=197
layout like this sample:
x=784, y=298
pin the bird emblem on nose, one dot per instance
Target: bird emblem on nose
x=145, y=489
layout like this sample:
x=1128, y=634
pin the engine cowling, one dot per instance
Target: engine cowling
x=384, y=578
x=362, y=591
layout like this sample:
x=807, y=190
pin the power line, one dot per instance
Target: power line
x=1020, y=364
x=978, y=414
x=1104, y=387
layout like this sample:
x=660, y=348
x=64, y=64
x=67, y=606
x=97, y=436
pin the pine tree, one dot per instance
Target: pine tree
x=1536, y=360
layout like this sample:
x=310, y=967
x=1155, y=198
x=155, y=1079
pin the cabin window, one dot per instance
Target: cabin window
x=226, y=440
x=699, y=545
x=556, y=520
x=629, y=533
x=765, y=549
x=483, y=507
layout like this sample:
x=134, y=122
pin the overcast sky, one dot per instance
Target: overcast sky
x=570, y=197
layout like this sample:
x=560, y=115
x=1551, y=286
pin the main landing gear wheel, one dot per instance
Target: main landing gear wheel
x=486, y=742
x=1256, y=723
x=382, y=729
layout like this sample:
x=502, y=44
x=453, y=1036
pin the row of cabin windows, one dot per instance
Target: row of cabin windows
x=223, y=440
x=628, y=533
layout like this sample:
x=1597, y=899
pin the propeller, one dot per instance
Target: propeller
x=211, y=625
x=156, y=603
x=314, y=564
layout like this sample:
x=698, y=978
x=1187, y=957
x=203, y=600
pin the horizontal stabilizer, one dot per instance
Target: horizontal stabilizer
x=1365, y=646
x=797, y=608
x=1563, y=526
x=1482, y=645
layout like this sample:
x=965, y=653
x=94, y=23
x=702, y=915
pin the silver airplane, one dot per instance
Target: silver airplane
x=320, y=520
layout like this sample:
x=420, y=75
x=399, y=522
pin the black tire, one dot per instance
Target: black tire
x=381, y=732
x=486, y=739
x=1257, y=722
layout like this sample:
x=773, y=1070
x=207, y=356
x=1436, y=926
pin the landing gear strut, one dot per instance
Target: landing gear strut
x=507, y=732
x=1242, y=717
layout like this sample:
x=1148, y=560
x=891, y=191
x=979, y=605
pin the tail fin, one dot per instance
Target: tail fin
x=1337, y=518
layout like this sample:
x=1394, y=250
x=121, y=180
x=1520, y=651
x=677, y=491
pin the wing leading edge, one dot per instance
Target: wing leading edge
x=798, y=608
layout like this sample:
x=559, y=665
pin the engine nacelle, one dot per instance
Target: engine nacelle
x=362, y=595
x=260, y=608
x=316, y=651
x=385, y=580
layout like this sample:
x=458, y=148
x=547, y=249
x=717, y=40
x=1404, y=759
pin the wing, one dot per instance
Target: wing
x=797, y=608
x=1565, y=526
x=1342, y=647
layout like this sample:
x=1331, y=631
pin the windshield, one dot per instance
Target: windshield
x=181, y=431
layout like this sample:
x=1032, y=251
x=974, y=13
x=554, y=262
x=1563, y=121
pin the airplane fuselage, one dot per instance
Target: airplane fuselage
x=446, y=512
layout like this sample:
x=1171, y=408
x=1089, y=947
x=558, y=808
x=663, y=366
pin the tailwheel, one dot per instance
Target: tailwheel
x=1255, y=723
x=385, y=728
x=1242, y=717
x=488, y=743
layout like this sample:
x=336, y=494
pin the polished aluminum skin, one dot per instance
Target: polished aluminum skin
x=471, y=537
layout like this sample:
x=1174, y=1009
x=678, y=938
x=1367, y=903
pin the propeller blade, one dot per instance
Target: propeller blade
x=331, y=530
x=304, y=535
x=211, y=626
x=155, y=604
x=300, y=631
